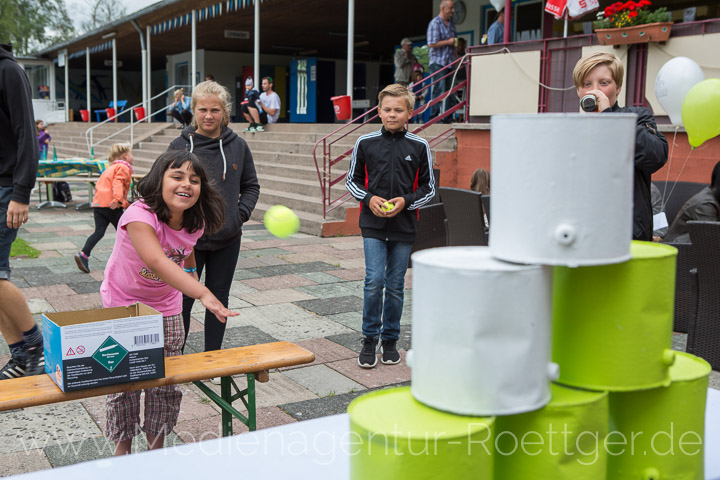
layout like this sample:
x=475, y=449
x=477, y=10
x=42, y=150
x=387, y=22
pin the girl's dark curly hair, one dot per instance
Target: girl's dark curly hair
x=207, y=211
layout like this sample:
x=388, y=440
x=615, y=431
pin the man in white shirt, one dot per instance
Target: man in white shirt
x=270, y=101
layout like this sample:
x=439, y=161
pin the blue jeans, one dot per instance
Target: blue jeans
x=385, y=266
x=437, y=90
x=440, y=88
x=7, y=235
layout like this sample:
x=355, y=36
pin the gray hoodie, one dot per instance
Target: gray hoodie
x=229, y=166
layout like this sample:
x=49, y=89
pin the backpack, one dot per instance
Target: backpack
x=61, y=192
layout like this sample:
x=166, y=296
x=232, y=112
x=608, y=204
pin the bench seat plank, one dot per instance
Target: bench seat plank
x=67, y=179
x=41, y=390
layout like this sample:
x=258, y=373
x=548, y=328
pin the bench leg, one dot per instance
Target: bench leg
x=49, y=201
x=251, y=401
x=225, y=393
x=226, y=398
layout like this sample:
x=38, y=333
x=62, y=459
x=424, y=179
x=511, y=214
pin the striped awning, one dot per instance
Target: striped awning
x=202, y=14
x=97, y=48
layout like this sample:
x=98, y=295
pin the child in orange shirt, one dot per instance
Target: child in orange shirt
x=110, y=198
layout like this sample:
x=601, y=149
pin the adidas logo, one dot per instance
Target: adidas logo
x=408, y=158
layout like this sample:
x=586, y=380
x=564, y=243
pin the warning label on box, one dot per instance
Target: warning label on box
x=110, y=354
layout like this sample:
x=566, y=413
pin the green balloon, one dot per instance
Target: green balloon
x=701, y=111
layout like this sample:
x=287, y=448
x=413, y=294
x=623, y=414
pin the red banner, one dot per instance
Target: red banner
x=575, y=8
x=556, y=7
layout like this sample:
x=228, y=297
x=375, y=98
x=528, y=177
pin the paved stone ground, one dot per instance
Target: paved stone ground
x=306, y=290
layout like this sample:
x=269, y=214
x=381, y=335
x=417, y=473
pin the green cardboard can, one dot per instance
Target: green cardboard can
x=612, y=324
x=563, y=440
x=394, y=436
x=658, y=434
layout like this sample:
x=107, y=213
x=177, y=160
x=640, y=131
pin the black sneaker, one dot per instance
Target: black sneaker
x=13, y=369
x=82, y=263
x=390, y=355
x=368, y=355
x=34, y=360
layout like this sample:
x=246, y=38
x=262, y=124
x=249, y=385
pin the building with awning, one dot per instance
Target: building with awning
x=149, y=51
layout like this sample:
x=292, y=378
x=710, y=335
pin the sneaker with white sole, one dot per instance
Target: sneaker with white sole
x=13, y=369
x=390, y=355
x=259, y=128
x=368, y=354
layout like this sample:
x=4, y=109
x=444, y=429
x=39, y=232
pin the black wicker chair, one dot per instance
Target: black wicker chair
x=485, y=199
x=704, y=332
x=675, y=194
x=464, y=212
x=685, y=294
x=432, y=228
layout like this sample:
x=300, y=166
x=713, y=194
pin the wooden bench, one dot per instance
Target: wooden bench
x=253, y=361
x=48, y=181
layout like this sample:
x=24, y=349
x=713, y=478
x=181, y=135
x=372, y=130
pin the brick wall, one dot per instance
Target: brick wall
x=473, y=151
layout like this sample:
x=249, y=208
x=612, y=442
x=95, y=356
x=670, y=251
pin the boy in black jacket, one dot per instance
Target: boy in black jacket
x=391, y=175
x=600, y=74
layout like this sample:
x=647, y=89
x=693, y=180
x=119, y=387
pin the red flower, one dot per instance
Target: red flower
x=630, y=5
x=610, y=11
x=632, y=14
x=644, y=3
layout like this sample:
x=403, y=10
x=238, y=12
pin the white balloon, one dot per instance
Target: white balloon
x=673, y=82
x=498, y=4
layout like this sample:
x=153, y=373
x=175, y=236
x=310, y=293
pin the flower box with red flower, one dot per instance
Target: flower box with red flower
x=632, y=22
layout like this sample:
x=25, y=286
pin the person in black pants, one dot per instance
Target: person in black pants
x=109, y=200
x=229, y=164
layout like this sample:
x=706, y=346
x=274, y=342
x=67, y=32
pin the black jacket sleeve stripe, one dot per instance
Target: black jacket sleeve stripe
x=429, y=195
x=353, y=184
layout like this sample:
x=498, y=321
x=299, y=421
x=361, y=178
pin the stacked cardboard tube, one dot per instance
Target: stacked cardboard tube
x=548, y=353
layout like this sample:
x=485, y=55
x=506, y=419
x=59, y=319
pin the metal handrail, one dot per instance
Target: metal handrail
x=325, y=176
x=89, y=132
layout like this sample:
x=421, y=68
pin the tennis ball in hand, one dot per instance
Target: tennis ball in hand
x=281, y=221
x=387, y=206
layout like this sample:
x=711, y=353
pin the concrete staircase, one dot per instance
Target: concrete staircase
x=69, y=139
x=283, y=159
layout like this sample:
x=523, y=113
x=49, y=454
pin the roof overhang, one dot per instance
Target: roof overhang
x=287, y=27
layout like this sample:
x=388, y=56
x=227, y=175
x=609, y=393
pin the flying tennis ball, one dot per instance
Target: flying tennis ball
x=387, y=206
x=281, y=221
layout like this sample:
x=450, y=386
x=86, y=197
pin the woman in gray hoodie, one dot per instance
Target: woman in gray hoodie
x=229, y=164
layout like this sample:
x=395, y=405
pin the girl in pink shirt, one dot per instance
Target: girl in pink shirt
x=153, y=262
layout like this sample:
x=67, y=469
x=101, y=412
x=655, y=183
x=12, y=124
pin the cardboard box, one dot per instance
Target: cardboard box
x=104, y=346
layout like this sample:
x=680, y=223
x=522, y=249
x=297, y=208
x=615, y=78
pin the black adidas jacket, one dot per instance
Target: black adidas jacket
x=391, y=165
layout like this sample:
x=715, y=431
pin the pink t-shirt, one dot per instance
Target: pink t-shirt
x=128, y=280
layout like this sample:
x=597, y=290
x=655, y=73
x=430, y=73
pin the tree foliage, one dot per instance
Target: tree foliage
x=101, y=12
x=31, y=25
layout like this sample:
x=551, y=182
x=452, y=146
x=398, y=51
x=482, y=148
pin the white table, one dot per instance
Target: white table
x=311, y=449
